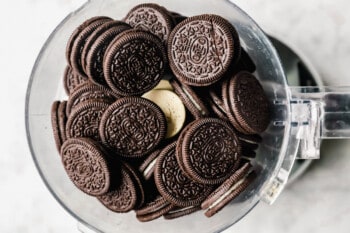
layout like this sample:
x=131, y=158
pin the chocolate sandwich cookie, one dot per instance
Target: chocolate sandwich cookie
x=147, y=166
x=173, y=184
x=217, y=105
x=71, y=80
x=76, y=33
x=55, y=124
x=208, y=151
x=90, y=92
x=153, y=209
x=139, y=183
x=152, y=18
x=178, y=212
x=228, y=106
x=249, y=103
x=62, y=120
x=79, y=42
x=172, y=107
x=190, y=99
x=96, y=47
x=134, y=63
x=95, y=35
x=216, y=111
x=229, y=190
x=84, y=120
x=87, y=166
x=125, y=196
x=133, y=127
x=202, y=48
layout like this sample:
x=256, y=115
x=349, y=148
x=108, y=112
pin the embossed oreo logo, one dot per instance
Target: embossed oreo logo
x=213, y=148
x=136, y=65
x=133, y=129
x=199, y=49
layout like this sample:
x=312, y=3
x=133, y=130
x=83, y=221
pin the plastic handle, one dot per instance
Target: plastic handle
x=316, y=113
x=319, y=113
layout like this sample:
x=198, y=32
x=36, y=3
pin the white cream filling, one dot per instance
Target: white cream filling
x=233, y=187
x=193, y=101
x=149, y=167
x=180, y=210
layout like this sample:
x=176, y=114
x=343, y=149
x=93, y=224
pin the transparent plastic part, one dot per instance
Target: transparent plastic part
x=301, y=117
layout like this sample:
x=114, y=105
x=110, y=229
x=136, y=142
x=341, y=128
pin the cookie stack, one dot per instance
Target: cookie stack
x=163, y=114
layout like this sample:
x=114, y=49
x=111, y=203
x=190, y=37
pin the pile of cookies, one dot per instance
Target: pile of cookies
x=163, y=113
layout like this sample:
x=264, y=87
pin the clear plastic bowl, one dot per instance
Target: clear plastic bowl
x=45, y=86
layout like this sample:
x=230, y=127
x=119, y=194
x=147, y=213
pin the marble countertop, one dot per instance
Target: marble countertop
x=318, y=202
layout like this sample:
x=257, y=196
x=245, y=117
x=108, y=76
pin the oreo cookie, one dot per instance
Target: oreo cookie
x=249, y=103
x=76, y=33
x=132, y=127
x=95, y=35
x=71, y=80
x=87, y=166
x=190, y=99
x=62, y=120
x=134, y=63
x=229, y=190
x=154, y=209
x=125, y=134
x=55, y=125
x=126, y=196
x=79, y=42
x=85, y=119
x=147, y=166
x=203, y=57
x=96, y=47
x=152, y=18
x=173, y=184
x=228, y=106
x=90, y=92
x=208, y=151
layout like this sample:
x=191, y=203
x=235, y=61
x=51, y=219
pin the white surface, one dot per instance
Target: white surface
x=318, y=202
